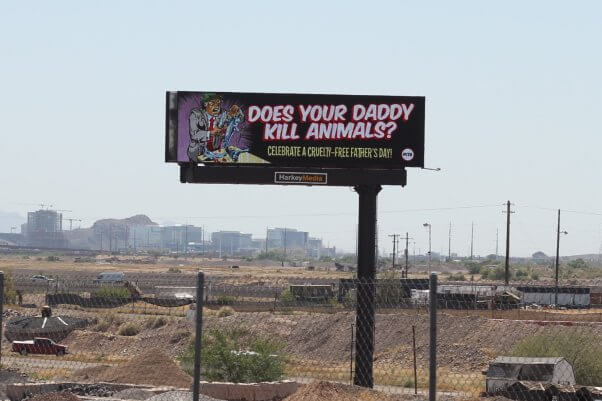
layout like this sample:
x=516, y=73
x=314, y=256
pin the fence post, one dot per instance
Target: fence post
x=414, y=350
x=351, y=355
x=198, y=332
x=433, y=338
x=1, y=312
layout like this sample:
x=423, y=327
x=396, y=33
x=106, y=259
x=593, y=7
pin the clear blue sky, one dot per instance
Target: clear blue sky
x=513, y=89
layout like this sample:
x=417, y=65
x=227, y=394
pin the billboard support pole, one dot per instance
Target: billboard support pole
x=198, y=334
x=366, y=274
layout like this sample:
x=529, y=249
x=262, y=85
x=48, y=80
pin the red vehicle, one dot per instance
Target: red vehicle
x=39, y=346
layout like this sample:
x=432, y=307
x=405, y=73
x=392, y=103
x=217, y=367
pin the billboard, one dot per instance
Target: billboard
x=295, y=130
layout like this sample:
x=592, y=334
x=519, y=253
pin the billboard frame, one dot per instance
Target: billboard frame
x=366, y=181
x=191, y=173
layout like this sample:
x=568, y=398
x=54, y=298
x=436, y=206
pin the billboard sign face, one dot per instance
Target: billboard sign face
x=295, y=130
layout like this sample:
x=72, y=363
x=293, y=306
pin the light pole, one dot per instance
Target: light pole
x=429, y=226
x=558, y=232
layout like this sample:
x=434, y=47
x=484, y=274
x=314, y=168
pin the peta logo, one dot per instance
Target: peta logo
x=407, y=154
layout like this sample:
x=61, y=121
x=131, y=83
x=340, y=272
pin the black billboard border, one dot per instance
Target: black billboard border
x=191, y=173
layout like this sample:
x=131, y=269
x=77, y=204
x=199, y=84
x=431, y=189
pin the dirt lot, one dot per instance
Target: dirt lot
x=465, y=343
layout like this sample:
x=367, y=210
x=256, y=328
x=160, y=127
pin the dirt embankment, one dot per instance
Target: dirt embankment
x=464, y=343
x=153, y=367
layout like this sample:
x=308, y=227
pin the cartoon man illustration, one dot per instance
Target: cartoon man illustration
x=211, y=128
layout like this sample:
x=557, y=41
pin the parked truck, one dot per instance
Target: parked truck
x=39, y=346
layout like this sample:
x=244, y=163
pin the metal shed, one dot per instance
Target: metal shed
x=507, y=370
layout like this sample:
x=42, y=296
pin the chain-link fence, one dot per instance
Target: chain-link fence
x=139, y=328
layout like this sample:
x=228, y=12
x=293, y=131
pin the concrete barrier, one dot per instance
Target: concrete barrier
x=249, y=391
x=18, y=391
x=267, y=391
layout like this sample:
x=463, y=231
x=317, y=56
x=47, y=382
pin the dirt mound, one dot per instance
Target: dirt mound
x=153, y=367
x=112, y=344
x=89, y=374
x=326, y=391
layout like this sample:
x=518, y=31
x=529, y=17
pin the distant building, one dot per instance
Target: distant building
x=231, y=243
x=287, y=238
x=314, y=248
x=45, y=229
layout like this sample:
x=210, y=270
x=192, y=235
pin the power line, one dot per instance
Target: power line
x=329, y=213
x=564, y=210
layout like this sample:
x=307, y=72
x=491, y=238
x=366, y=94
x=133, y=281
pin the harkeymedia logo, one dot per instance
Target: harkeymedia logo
x=300, y=178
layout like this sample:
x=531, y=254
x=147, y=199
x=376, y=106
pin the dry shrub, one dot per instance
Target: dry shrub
x=128, y=329
x=155, y=323
x=101, y=326
x=225, y=311
x=113, y=319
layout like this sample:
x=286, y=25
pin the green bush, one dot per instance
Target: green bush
x=113, y=292
x=174, y=270
x=578, y=264
x=581, y=349
x=473, y=268
x=534, y=275
x=287, y=296
x=233, y=356
x=225, y=300
x=128, y=329
x=521, y=274
x=494, y=274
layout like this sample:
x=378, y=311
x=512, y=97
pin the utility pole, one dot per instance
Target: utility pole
x=394, y=236
x=507, y=263
x=430, y=252
x=449, y=242
x=185, y=239
x=110, y=237
x=558, y=232
x=266, y=240
x=407, y=254
x=471, y=239
x=101, y=230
